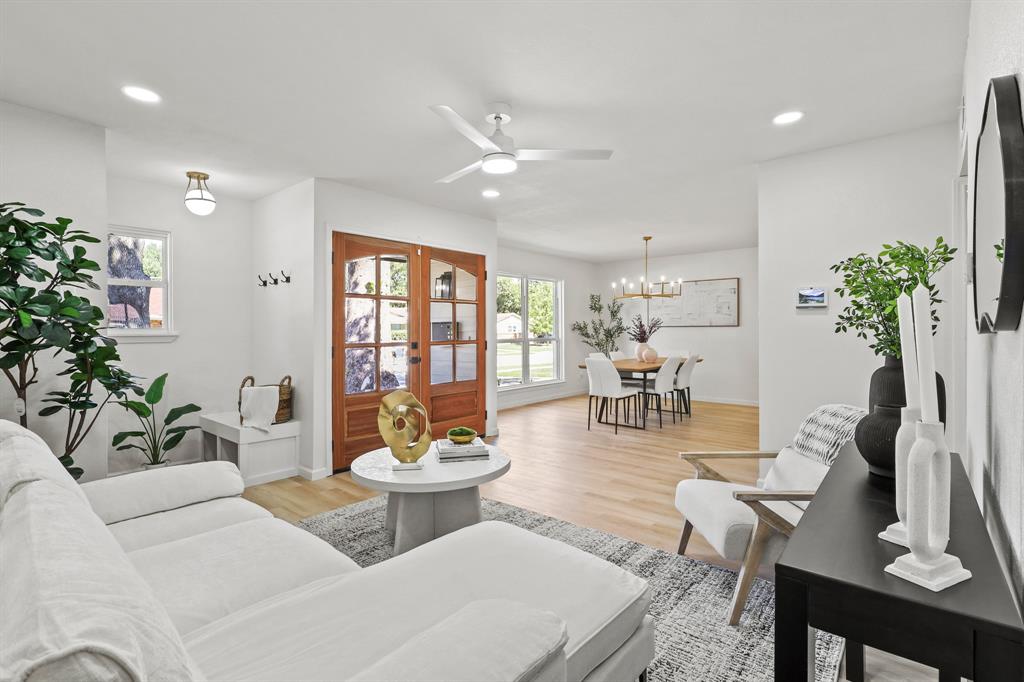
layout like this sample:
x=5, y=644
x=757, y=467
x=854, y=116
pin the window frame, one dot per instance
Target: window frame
x=558, y=332
x=167, y=331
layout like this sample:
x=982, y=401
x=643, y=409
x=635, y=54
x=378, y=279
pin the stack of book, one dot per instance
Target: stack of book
x=448, y=451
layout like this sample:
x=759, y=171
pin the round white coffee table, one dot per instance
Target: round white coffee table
x=427, y=503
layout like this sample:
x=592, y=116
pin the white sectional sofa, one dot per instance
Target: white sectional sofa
x=171, y=575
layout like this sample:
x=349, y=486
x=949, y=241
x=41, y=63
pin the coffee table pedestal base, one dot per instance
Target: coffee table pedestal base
x=420, y=517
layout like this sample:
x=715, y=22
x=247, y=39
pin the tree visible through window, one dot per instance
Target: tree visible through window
x=529, y=330
x=137, y=280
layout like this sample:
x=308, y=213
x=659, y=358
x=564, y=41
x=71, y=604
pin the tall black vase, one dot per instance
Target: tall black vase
x=876, y=433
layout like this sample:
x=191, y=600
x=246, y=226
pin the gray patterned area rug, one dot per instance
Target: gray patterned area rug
x=690, y=597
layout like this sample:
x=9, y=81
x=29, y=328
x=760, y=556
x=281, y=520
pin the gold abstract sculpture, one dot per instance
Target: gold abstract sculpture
x=400, y=419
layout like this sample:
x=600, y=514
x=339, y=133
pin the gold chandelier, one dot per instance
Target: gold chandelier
x=648, y=289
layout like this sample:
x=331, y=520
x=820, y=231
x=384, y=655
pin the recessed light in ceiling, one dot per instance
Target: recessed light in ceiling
x=490, y=194
x=788, y=117
x=140, y=94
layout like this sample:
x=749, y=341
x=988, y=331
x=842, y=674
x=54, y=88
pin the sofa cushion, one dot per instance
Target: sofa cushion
x=793, y=471
x=73, y=606
x=202, y=578
x=120, y=498
x=499, y=641
x=25, y=457
x=156, y=529
x=337, y=623
x=723, y=521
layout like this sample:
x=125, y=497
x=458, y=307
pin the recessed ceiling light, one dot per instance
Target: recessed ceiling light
x=785, y=118
x=141, y=94
x=490, y=194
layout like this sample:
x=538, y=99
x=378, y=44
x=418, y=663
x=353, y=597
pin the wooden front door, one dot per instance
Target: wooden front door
x=454, y=335
x=405, y=317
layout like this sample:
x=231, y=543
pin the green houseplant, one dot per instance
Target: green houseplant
x=155, y=439
x=872, y=285
x=600, y=335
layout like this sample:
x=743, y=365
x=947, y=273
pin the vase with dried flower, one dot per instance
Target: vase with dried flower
x=641, y=333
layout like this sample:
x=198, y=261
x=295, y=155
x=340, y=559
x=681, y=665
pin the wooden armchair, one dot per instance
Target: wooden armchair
x=745, y=522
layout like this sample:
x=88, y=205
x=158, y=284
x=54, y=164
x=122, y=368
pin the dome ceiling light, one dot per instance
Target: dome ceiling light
x=198, y=197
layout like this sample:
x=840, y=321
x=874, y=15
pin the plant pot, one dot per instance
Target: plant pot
x=160, y=465
x=876, y=433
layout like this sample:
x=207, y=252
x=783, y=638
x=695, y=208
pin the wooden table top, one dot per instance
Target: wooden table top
x=639, y=366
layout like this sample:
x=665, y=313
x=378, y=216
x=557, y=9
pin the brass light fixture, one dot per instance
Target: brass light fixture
x=198, y=197
x=648, y=289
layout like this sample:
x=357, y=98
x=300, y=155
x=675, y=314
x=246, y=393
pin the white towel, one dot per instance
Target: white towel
x=259, y=406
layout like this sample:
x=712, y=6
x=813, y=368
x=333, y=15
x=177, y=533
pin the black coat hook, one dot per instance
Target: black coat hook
x=273, y=280
x=262, y=283
x=287, y=278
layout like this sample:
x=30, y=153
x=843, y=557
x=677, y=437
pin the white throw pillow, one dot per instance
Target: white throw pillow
x=73, y=605
x=25, y=457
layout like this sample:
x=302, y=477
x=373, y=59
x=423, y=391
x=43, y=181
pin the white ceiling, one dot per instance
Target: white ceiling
x=262, y=94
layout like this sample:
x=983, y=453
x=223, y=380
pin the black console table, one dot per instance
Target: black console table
x=831, y=577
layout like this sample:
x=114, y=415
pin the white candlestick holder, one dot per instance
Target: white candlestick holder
x=896, y=533
x=927, y=514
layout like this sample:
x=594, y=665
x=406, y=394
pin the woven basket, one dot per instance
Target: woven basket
x=284, y=398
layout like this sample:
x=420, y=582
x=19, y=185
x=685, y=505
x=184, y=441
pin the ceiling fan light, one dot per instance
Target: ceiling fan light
x=199, y=200
x=499, y=163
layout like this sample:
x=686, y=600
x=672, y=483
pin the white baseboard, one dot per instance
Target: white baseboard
x=726, y=401
x=313, y=474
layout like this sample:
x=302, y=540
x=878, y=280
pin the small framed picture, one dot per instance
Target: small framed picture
x=811, y=297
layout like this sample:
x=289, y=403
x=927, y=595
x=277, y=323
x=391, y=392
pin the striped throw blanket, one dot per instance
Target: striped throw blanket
x=826, y=430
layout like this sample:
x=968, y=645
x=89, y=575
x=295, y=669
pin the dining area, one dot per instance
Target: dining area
x=626, y=392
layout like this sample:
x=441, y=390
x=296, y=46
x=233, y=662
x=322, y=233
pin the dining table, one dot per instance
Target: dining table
x=642, y=367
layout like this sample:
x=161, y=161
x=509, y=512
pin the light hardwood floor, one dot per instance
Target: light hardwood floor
x=623, y=484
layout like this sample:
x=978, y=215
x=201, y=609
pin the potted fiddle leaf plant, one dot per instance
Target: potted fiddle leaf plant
x=872, y=285
x=641, y=333
x=156, y=438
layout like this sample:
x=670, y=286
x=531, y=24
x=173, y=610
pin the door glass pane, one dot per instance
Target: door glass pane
x=394, y=367
x=510, y=363
x=440, y=364
x=394, y=321
x=542, y=309
x=394, y=275
x=542, y=361
x=441, y=276
x=465, y=285
x=360, y=274
x=360, y=320
x=440, y=321
x=510, y=308
x=465, y=321
x=465, y=362
x=360, y=370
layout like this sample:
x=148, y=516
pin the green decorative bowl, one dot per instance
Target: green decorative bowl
x=461, y=435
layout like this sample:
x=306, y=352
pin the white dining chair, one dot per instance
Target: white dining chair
x=681, y=386
x=595, y=354
x=664, y=385
x=617, y=355
x=605, y=385
x=633, y=379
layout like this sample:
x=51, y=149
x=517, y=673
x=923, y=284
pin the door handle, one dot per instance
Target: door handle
x=415, y=360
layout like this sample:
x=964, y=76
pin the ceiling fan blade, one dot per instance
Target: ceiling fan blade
x=459, y=173
x=464, y=127
x=563, y=154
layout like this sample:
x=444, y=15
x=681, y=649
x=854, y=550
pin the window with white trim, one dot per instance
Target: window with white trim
x=529, y=318
x=138, y=281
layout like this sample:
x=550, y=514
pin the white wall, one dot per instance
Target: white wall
x=58, y=165
x=814, y=210
x=729, y=373
x=995, y=363
x=212, y=290
x=578, y=283
x=282, y=315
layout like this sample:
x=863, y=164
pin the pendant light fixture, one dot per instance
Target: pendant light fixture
x=648, y=289
x=198, y=197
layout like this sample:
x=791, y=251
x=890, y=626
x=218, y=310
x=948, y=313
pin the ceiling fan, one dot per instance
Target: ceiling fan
x=500, y=154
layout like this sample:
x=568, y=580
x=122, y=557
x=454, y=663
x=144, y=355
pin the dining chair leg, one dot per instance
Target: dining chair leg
x=672, y=397
x=616, y=415
x=689, y=402
x=590, y=405
x=657, y=399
